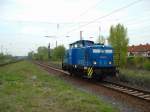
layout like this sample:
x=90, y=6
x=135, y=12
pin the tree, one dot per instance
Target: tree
x=42, y=53
x=58, y=52
x=119, y=41
x=31, y=55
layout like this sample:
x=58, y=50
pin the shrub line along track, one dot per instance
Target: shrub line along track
x=4, y=64
x=140, y=94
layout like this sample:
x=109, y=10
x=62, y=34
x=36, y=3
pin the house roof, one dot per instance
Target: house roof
x=139, y=48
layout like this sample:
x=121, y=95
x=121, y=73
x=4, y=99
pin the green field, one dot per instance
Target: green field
x=26, y=88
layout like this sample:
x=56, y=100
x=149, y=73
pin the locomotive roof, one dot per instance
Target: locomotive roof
x=80, y=41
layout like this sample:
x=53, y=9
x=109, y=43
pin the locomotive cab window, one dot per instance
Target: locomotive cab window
x=80, y=45
x=71, y=46
x=75, y=46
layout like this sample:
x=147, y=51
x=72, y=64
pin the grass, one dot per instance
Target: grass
x=136, y=77
x=26, y=88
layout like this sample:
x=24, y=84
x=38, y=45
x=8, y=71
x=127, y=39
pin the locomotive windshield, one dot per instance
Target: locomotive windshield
x=89, y=43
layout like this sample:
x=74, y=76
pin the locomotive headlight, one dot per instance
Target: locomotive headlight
x=110, y=62
x=85, y=68
x=94, y=62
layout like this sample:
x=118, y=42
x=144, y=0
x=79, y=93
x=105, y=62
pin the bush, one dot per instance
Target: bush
x=135, y=77
x=138, y=62
x=2, y=56
x=135, y=62
x=146, y=64
x=58, y=53
x=130, y=62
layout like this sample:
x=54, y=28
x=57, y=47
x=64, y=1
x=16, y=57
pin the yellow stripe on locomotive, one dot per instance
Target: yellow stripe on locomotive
x=90, y=72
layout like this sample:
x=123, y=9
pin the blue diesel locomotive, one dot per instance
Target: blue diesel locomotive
x=90, y=60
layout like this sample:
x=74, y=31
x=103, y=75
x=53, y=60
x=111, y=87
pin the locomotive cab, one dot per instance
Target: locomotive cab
x=81, y=43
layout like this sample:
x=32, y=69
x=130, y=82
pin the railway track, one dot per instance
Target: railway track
x=140, y=94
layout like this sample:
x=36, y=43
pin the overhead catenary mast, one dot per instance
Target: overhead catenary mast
x=99, y=29
x=49, y=55
x=81, y=38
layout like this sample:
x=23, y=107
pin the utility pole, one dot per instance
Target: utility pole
x=81, y=35
x=99, y=33
x=49, y=56
x=99, y=30
x=100, y=37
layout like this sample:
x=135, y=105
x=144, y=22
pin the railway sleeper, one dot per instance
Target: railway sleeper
x=137, y=94
x=146, y=95
x=147, y=98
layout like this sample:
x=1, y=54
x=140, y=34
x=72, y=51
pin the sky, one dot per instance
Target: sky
x=25, y=23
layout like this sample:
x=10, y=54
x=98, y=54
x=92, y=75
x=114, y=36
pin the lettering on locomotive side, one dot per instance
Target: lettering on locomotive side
x=102, y=51
x=98, y=51
x=108, y=51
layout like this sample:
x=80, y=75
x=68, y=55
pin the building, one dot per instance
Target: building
x=139, y=50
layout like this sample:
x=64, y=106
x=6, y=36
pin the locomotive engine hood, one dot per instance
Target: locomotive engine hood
x=101, y=55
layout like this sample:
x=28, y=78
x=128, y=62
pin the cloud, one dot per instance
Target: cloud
x=27, y=21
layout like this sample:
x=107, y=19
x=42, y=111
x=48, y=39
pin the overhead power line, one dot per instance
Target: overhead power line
x=128, y=20
x=87, y=10
x=107, y=15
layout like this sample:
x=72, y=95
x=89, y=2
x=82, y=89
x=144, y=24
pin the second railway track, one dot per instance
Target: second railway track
x=140, y=94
